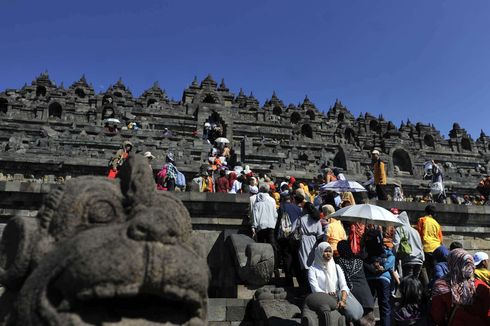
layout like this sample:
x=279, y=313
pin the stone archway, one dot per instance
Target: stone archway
x=214, y=127
x=429, y=141
x=402, y=161
x=108, y=112
x=107, y=99
x=80, y=93
x=341, y=117
x=466, y=144
x=374, y=126
x=4, y=105
x=311, y=114
x=209, y=99
x=350, y=135
x=307, y=131
x=277, y=110
x=55, y=110
x=150, y=102
x=339, y=159
x=41, y=91
x=295, y=118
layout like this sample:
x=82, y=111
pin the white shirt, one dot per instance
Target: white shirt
x=318, y=282
x=235, y=187
x=264, y=212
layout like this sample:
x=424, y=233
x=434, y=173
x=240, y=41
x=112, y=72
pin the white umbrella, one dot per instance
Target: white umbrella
x=113, y=120
x=367, y=213
x=343, y=186
x=222, y=140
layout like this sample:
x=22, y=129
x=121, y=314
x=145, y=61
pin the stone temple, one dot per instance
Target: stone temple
x=49, y=130
x=50, y=134
x=277, y=138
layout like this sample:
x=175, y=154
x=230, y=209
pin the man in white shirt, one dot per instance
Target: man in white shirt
x=264, y=217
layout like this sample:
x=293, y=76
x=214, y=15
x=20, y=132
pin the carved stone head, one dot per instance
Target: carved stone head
x=104, y=252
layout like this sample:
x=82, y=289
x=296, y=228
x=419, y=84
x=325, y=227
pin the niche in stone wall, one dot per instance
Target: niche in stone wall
x=209, y=99
x=3, y=105
x=402, y=162
x=214, y=127
x=466, y=144
x=374, y=126
x=40, y=91
x=295, y=117
x=277, y=110
x=341, y=117
x=307, y=131
x=429, y=141
x=80, y=93
x=350, y=135
x=55, y=110
x=108, y=112
x=150, y=102
x=311, y=114
x=339, y=160
x=107, y=99
x=117, y=94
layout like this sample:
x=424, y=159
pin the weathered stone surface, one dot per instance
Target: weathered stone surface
x=254, y=262
x=102, y=251
x=320, y=310
x=271, y=307
x=64, y=129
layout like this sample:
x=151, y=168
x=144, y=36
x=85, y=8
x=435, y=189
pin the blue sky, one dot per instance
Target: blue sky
x=428, y=61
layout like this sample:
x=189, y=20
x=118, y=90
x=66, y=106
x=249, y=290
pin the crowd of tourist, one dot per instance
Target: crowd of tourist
x=222, y=173
x=415, y=278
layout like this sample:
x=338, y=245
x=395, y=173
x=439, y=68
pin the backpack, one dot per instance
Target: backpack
x=404, y=249
x=180, y=181
x=286, y=226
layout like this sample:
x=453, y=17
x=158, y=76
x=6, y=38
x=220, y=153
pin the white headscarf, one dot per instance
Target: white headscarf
x=328, y=267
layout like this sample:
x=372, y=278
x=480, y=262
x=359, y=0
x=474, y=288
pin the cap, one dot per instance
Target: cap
x=479, y=257
x=148, y=154
x=376, y=152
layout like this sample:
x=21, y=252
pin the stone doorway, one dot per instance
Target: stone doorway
x=214, y=127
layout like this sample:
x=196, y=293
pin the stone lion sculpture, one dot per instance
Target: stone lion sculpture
x=104, y=252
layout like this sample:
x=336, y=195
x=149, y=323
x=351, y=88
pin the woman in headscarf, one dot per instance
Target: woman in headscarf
x=327, y=277
x=458, y=298
x=310, y=228
x=353, y=269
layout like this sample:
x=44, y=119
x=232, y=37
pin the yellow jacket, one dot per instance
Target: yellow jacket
x=483, y=274
x=379, y=173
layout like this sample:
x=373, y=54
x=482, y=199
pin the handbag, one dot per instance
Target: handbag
x=404, y=249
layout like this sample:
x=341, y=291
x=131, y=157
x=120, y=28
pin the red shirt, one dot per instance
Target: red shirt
x=223, y=185
x=478, y=314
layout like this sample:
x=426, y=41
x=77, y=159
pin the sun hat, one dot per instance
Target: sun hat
x=149, y=154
